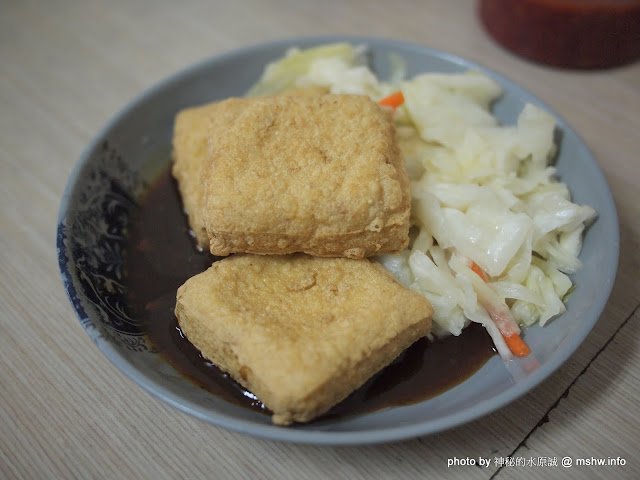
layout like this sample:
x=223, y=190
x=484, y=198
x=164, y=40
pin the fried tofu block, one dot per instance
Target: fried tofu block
x=320, y=174
x=192, y=128
x=300, y=332
x=305, y=91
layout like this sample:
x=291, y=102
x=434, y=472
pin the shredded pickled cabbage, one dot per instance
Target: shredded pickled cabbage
x=482, y=193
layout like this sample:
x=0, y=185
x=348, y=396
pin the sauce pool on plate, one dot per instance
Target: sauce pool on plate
x=161, y=256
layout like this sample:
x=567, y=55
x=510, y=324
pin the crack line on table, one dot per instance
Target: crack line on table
x=565, y=393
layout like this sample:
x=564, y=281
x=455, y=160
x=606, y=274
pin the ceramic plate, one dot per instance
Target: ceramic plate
x=128, y=153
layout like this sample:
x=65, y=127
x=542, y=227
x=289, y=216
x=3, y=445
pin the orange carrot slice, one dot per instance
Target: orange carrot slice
x=478, y=270
x=513, y=340
x=517, y=345
x=394, y=100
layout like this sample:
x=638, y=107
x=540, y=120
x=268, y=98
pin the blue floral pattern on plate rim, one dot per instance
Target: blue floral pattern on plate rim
x=91, y=241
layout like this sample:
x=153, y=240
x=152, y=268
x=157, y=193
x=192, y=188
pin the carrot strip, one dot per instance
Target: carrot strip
x=513, y=340
x=517, y=345
x=509, y=331
x=481, y=273
x=394, y=100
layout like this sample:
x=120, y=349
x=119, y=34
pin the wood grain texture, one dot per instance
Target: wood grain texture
x=598, y=410
x=66, y=67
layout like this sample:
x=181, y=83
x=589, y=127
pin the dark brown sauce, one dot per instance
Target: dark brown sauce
x=162, y=255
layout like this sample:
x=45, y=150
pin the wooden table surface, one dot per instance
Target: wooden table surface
x=66, y=67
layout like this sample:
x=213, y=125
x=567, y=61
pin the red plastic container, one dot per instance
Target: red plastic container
x=581, y=34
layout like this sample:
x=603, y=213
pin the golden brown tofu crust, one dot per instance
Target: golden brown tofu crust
x=192, y=129
x=320, y=174
x=300, y=332
x=191, y=132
